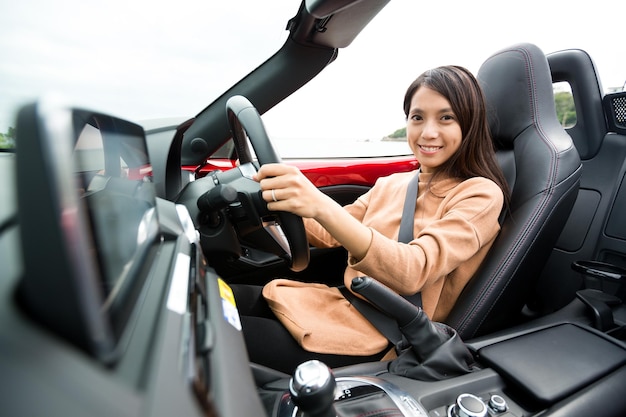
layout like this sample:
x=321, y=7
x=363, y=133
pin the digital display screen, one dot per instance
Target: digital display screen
x=113, y=176
x=89, y=228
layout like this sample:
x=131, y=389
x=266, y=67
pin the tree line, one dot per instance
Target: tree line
x=7, y=140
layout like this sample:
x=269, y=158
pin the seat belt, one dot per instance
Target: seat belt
x=383, y=323
x=406, y=226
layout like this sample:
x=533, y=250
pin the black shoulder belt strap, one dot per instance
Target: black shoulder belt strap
x=386, y=325
x=406, y=225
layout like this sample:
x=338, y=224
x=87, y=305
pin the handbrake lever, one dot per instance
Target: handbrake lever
x=436, y=350
x=421, y=333
x=386, y=300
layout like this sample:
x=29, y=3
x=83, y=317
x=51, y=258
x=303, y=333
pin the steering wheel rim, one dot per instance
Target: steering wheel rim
x=244, y=118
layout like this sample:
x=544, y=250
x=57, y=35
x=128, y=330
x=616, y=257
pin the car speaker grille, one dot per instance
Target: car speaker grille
x=615, y=110
x=619, y=104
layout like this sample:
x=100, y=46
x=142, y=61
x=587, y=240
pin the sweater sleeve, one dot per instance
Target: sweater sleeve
x=466, y=220
x=320, y=238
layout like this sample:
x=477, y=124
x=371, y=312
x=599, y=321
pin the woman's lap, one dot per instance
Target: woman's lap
x=270, y=344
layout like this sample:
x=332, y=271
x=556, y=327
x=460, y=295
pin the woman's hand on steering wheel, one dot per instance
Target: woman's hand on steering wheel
x=285, y=188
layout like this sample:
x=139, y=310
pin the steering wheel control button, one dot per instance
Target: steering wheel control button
x=468, y=405
x=248, y=170
x=497, y=404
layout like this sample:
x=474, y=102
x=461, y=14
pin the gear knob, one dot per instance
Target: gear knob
x=312, y=389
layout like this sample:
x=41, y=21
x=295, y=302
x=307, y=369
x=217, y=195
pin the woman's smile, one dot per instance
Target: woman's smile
x=429, y=149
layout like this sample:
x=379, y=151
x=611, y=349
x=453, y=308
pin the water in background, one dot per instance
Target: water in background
x=338, y=148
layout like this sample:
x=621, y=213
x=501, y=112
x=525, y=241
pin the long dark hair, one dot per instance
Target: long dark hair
x=476, y=156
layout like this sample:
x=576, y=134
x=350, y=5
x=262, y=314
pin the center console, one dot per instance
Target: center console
x=563, y=368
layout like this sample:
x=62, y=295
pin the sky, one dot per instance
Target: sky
x=142, y=59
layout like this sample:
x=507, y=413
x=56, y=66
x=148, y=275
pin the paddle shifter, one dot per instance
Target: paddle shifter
x=436, y=351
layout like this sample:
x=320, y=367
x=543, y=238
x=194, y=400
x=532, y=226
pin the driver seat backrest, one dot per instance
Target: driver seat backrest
x=543, y=170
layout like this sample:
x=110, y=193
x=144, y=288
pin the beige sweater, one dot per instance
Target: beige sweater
x=455, y=225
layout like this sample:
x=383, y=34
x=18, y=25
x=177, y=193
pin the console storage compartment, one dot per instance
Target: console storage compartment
x=550, y=364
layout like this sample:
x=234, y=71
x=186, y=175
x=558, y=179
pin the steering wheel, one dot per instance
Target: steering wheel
x=244, y=118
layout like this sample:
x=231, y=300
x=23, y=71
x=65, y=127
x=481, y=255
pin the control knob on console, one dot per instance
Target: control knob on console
x=468, y=405
x=312, y=389
x=497, y=404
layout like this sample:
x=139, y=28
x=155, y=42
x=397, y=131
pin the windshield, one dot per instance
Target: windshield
x=136, y=59
x=145, y=60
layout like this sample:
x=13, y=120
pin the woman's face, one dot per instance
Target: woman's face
x=432, y=129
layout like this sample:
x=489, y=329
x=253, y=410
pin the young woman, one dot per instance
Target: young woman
x=462, y=192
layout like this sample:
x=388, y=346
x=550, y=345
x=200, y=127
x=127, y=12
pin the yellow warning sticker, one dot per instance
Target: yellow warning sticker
x=229, y=307
x=226, y=292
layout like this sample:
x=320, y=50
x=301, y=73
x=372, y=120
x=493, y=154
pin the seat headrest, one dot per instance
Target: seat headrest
x=518, y=90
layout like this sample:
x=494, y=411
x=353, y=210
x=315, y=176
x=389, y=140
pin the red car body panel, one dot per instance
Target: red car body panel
x=327, y=172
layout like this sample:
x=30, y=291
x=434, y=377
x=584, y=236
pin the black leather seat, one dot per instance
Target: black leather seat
x=543, y=169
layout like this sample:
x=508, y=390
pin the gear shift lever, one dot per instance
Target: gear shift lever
x=312, y=389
